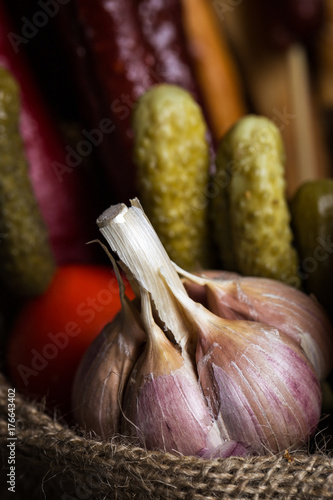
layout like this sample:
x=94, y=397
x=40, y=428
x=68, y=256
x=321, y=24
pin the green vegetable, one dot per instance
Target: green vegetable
x=172, y=156
x=250, y=213
x=312, y=219
x=26, y=261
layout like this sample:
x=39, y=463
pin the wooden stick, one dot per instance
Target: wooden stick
x=306, y=165
x=216, y=71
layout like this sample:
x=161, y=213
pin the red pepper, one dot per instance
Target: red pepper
x=162, y=28
x=128, y=46
x=54, y=169
x=35, y=25
x=110, y=50
x=52, y=331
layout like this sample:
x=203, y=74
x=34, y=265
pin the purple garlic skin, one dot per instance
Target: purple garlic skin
x=226, y=450
x=171, y=415
x=197, y=292
x=261, y=388
x=219, y=386
x=102, y=374
x=264, y=300
x=164, y=406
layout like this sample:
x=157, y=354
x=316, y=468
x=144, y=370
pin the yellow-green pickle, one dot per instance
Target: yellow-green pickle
x=312, y=219
x=26, y=260
x=249, y=209
x=172, y=156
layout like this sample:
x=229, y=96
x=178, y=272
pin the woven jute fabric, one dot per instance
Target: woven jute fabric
x=54, y=461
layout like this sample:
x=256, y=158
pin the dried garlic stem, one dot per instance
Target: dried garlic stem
x=131, y=235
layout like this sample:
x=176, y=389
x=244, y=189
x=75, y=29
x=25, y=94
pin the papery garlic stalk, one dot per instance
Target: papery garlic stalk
x=298, y=315
x=102, y=374
x=130, y=234
x=261, y=392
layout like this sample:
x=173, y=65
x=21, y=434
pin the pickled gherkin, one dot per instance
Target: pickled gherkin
x=172, y=157
x=312, y=221
x=26, y=260
x=249, y=210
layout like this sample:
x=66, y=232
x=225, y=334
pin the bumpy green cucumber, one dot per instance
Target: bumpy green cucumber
x=26, y=261
x=312, y=221
x=249, y=210
x=172, y=157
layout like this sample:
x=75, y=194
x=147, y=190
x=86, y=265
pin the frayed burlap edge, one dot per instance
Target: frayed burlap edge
x=53, y=461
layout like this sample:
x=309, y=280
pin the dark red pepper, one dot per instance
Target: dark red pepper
x=111, y=52
x=162, y=28
x=54, y=169
x=289, y=21
x=35, y=31
x=123, y=48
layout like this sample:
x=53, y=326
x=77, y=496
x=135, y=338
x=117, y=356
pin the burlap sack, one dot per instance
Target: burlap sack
x=53, y=461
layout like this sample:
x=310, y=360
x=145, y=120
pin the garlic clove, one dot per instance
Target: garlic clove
x=102, y=374
x=226, y=450
x=261, y=388
x=163, y=405
x=293, y=312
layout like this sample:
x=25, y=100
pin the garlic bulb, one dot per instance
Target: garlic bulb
x=203, y=385
x=163, y=403
x=100, y=379
x=260, y=386
x=298, y=315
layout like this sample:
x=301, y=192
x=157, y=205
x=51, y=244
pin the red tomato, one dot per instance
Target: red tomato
x=53, y=331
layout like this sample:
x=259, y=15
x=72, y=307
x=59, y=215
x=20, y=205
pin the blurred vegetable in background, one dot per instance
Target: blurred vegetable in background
x=27, y=263
x=312, y=220
x=289, y=21
x=52, y=331
x=63, y=198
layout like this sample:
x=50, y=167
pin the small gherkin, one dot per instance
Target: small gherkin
x=250, y=212
x=172, y=157
x=26, y=259
x=312, y=220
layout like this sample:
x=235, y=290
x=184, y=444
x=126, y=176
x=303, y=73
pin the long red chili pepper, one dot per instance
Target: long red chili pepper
x=162, y=28
x=116, y=54
x=128, y=47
